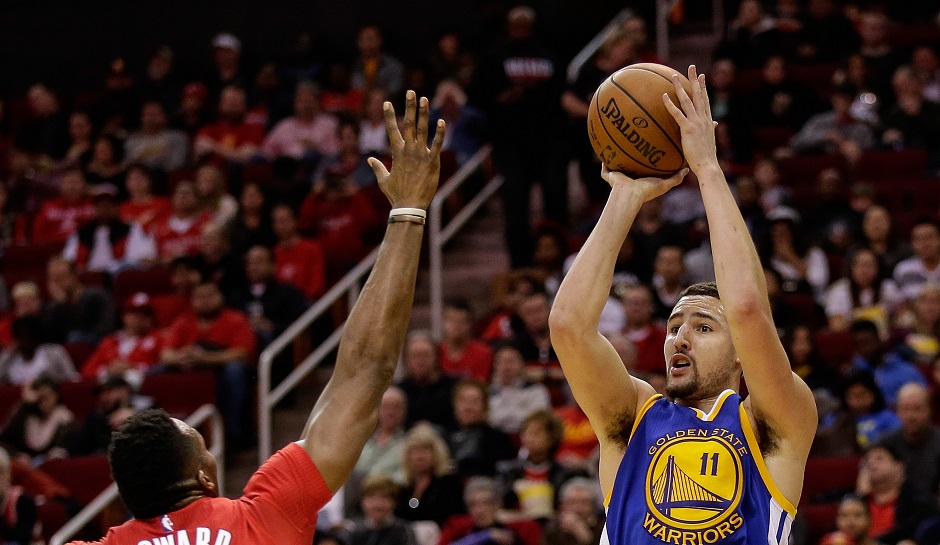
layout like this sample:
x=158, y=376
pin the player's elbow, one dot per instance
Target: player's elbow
x=564, y=322
x=746, y=306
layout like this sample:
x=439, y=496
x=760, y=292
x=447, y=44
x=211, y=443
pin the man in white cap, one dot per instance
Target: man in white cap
x=227, y=55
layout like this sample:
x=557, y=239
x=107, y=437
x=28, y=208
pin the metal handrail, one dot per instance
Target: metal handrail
x=440, y=235
x=350, y=285
x=267, y=398
x=109, y=494
x=596, y=42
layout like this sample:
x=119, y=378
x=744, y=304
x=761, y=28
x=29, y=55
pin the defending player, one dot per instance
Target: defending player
x=168, y=479
x=704, y=466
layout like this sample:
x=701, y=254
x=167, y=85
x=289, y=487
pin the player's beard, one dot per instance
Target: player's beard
x=693, y=386
x=684, y=387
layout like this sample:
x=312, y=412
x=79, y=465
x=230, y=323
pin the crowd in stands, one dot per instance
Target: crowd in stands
x=165, y=228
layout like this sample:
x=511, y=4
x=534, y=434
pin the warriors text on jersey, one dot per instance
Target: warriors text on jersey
x=690, y=478
x=279, y=507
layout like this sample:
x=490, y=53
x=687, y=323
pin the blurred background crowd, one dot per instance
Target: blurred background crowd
x=161, y=226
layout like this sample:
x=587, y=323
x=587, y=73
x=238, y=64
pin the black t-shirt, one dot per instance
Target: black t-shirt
x=430, y=402
x=442, y=499
x=477, y=448
x=18, y=530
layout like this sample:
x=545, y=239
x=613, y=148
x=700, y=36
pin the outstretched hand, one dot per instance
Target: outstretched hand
x=695, y=121
x=650, y=187
x=415, y=168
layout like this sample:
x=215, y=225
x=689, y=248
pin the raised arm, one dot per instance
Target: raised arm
x=347, y=412
x=600, y=382
x=778, y=397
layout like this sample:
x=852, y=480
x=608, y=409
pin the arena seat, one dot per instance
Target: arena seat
x=79, y=352
x=808, y=312
x=28, y=262
x=180, y=394
x=79, y=397
x=817, y=77
x=151, y=281
x=827, y=479
x=835, y=348
x=878, y=164
x=9, y=399
x=820, y=520
x=84, y=476
x=802, y=170
x=767, y=139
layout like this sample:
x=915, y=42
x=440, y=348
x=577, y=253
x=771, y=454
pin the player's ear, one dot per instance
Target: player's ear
x=205, y=482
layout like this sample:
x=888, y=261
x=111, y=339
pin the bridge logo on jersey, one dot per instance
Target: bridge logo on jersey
x=693, y=488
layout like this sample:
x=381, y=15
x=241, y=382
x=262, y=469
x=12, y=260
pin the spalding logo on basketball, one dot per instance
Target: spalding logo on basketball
x=629, y=126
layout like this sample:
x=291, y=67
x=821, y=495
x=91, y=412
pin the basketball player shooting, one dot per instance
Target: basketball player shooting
x=703, y=465
x=168, y=479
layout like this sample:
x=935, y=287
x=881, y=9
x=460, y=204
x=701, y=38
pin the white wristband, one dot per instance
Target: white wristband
x=408, y=212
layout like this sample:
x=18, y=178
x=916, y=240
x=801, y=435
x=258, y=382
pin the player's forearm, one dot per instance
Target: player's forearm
x=586, y=287
x=738, y=270
x=375, y=330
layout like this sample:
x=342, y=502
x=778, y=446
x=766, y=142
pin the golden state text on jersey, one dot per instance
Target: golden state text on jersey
x=695, y=478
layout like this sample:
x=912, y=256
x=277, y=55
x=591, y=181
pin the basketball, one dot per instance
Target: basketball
x=629, y=126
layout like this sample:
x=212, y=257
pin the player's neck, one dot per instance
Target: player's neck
x=705, y=404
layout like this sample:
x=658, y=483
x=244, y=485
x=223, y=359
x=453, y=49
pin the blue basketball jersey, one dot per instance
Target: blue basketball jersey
x=690, y=478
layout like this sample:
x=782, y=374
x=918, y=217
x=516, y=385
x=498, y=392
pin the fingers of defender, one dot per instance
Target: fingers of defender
x=391, y=126
x=422, y=132
x=411, y=107
x=379, y=168
x=438, y=138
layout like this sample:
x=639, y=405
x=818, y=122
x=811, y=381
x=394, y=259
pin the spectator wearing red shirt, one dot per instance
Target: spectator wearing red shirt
x=217, y=338
x=340, y=216
x=230, y=138
x=142, y=206
x=647, y=335
x=180, y=233
x=185, y=275
x=482, y=523
x=130, y=352
x=59, y=218
x=459, y=354
x=298, y=261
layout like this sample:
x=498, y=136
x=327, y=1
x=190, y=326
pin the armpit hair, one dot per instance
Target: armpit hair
x=618, y=431
x=766, y=436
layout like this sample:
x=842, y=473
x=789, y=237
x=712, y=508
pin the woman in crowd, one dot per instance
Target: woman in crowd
x=852, y=524
x=806, y=362
x=431, y=491
x=251, y=226
x=866, y=292
x=879, y=236
x=105, y=164
x=142, y=206
x=801, y=266
x=213, y=199
x=41, y=426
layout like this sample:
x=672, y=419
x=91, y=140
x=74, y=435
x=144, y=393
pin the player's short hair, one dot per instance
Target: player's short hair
x=149, y=457
x=553, y=426
x=380, y=484
x=707, y=289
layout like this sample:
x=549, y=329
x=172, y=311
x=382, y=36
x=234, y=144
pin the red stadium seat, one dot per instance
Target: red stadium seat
x=9, y=399
x=818, y=77
x=891, y=164
x=79, y=397
x=835, y=348
x=79, y=352
x=828, y=479
x=802, y=170
x=808, y=312
x=767, y=139
x=92, y=278
x=820, y=520
x=28, y=262
x=180, y=394
x=151, y=281
x=84, y=476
